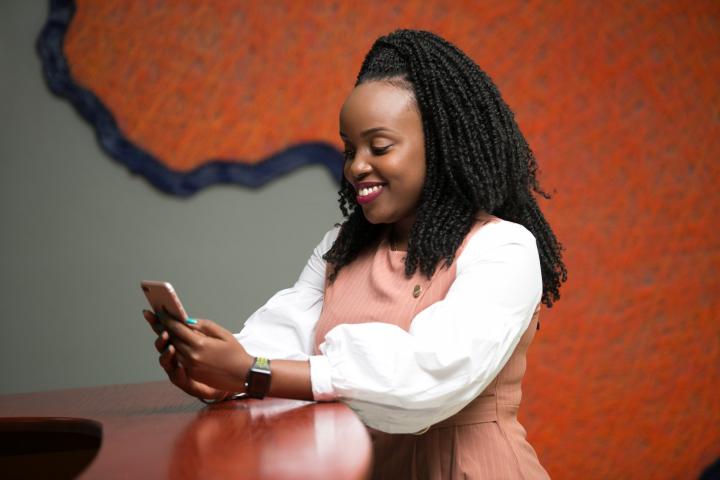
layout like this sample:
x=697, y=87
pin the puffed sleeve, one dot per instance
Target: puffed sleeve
x=283, y=327
x=401, y=381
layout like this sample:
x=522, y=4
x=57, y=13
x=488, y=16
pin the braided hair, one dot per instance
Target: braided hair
x=477, y=160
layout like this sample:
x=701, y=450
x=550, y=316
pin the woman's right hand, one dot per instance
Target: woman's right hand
x=176, y=372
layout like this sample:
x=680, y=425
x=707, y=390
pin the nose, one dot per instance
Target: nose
x=357, y=168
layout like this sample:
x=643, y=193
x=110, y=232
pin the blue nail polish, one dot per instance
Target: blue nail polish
x=191, y=321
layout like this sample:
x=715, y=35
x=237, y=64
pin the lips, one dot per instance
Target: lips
x=367, y=192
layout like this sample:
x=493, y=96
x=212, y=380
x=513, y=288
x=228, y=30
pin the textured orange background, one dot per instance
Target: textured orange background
x=621, y=105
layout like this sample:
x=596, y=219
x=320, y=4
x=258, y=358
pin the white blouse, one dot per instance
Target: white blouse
x=401, y=381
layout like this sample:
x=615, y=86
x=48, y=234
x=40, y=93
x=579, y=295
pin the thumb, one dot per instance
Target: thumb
x=208, y=327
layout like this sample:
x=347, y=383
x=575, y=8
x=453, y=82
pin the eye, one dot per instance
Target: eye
x=380, y=150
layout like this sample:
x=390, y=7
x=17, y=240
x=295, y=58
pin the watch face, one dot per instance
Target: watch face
x=258, y=383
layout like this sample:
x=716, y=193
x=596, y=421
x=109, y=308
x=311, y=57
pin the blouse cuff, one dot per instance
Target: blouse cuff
x=320, y=378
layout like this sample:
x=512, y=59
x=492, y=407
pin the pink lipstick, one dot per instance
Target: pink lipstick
x=367, y=192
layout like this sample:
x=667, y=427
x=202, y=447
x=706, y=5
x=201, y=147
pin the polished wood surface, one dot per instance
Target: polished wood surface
x=153, y=430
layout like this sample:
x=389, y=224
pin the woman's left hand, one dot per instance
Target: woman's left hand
x=210, y=354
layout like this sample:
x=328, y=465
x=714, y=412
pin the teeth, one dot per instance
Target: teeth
x=367, y=191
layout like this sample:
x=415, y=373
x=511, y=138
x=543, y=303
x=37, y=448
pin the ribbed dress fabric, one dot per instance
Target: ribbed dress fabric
x=482, y=441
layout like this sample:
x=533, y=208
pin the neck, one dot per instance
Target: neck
x=399, y=234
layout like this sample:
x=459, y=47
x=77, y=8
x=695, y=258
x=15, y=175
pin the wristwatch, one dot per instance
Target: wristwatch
x=257, y=383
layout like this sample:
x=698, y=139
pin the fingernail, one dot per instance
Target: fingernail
x=191, y=321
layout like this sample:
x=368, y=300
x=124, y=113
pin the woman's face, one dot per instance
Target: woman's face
x=384, y=152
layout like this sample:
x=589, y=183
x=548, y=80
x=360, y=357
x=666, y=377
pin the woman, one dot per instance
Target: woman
x=418, y=310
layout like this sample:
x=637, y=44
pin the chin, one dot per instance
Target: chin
x=376, y=219
x=373, y=221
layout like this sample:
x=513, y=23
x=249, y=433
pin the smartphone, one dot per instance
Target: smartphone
x=163, y=299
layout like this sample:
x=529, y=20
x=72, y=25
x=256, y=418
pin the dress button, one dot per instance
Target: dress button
x=417, y=291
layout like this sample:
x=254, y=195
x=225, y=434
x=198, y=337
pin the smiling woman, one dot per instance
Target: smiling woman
x=418, y=310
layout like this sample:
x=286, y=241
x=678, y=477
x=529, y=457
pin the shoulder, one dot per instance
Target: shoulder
x=498, y=238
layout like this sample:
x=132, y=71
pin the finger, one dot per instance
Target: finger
x=161, y=342
x=180, y=375
x=169, y=359
x=181, y=379
x=153, y=321
x=178, y=330
x=209, y=328
x=163, y=318
x=149, y=316
x=166, y=359
x=158, y=328
x=182, y=349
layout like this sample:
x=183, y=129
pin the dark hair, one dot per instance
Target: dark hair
x=477, y=160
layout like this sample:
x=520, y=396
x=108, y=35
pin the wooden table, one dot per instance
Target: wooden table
x=153, y=430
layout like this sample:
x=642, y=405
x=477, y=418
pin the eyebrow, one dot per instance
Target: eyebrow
x=369, y=131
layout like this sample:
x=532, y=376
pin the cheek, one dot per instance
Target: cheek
x=346, y=172
x=420, y=168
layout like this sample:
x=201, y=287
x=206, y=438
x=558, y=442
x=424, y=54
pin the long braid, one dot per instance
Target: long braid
x=477, y=160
